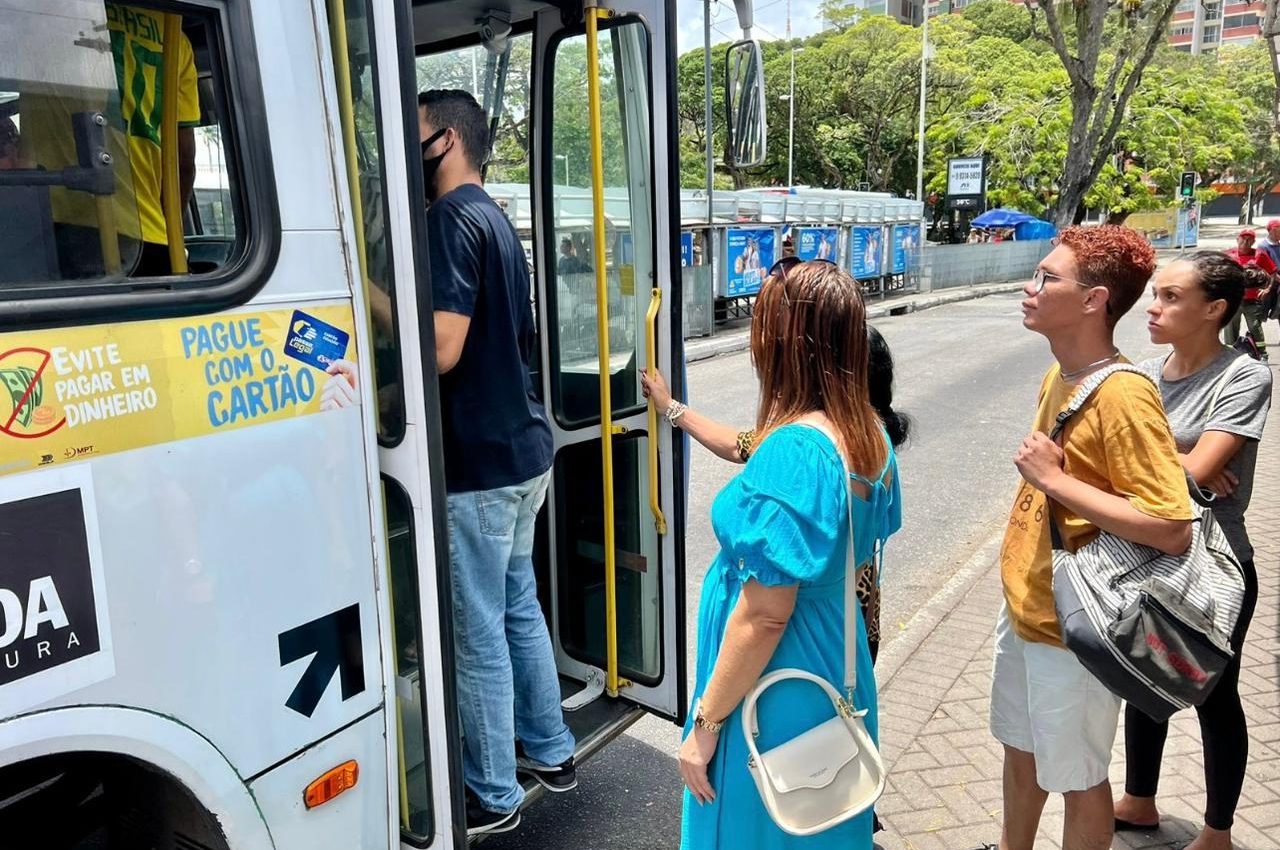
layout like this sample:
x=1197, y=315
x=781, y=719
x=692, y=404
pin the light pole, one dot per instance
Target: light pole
x=565, y=157
x=706, y=91
x=791, y=105
x=924, y=71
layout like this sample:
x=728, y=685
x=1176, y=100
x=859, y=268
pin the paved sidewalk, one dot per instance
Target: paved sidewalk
x=944, y=766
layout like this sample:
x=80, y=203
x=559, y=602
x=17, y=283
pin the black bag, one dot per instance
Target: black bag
x=1271, y=303
x=1155, y=629
x=1246, y=345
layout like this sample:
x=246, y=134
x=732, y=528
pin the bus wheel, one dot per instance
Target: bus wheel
x=102, y=801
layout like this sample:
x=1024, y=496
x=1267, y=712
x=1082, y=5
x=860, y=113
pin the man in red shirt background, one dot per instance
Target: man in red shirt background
x=1253, y=309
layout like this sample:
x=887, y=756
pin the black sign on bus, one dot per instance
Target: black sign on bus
x=48, y=614
x=334, y=641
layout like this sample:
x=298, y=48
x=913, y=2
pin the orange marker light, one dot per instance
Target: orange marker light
x=331, y=784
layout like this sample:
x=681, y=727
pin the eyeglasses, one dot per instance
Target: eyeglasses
x=786, y=264
x=1043, y=276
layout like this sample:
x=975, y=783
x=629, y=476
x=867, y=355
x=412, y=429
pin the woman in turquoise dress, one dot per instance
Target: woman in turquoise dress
x=774, y=596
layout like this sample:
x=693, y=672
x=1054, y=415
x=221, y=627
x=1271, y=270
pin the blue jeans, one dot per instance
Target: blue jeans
x=508, y=687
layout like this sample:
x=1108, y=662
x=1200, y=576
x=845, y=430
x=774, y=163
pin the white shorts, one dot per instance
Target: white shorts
x=1044, y=702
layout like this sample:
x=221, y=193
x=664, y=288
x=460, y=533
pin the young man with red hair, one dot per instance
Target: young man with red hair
x=1115, y=470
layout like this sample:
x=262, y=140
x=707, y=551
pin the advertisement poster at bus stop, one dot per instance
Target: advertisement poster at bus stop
x=906, y=242
x=817, y=243
x=749, y=257
x=686, y=250
x=865, y=257
x=73, y=393
x=1171, y=227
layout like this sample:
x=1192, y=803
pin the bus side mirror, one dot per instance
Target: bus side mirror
x=744, y=103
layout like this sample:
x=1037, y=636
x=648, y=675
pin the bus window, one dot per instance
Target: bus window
x=82, y=196
x=375, y=264
x=500, y=83
x=574, y=364
x=628, y=253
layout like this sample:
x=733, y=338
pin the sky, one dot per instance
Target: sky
x=770, y=19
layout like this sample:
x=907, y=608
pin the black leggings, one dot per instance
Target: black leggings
x=1222, y=728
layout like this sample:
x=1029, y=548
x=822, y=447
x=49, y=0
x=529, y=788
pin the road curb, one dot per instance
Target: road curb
x=894, y=655
x=731, y=342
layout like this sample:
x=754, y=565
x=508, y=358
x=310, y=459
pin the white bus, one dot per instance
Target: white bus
x=223, y=556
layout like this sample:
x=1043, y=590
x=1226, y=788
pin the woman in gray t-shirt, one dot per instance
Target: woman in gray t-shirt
x=1217, y=405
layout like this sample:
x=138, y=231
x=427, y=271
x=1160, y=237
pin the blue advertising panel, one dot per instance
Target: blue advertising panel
x=906, y=240
x=686, y=250
x=749, y=257
x=865, y=257
x=1188, y=235
x=817, y=243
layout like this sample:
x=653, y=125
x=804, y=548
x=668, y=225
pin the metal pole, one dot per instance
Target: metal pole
x=791, y=103
x=706, y=84
x=924, y=72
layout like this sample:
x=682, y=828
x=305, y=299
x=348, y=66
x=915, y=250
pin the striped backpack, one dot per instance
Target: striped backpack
x=1155, y=629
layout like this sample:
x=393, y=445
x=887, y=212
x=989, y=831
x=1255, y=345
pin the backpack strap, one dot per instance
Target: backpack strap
x=1086, y=389
x=1082, y=394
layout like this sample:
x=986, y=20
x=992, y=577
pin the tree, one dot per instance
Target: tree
x=1250, y=81
x=998, y=18
x=1098, y=101
x=1184, y=117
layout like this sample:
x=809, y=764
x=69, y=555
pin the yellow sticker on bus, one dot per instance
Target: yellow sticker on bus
x=69, y=393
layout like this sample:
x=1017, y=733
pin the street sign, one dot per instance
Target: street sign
x=1187, y=187
x=864, y=187
x=966, y=177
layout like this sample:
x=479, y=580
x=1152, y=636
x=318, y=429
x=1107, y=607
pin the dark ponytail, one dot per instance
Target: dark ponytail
x=1222, y=278
x=880, y=384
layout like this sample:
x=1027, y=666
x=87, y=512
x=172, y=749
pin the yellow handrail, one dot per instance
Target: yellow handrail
x=108, y=237
x=607, y=429
x=346, y=116
x=651, y=344
x=170, y=192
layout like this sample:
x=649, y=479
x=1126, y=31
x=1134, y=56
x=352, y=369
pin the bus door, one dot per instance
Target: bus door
x=634, y=244
x=372, y=50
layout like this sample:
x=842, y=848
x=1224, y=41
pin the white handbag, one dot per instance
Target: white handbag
x=832, y=772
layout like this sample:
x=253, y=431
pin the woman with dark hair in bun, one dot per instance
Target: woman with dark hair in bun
x=1217, y=401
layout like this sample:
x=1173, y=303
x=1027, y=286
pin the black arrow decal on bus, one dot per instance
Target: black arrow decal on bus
x=334, y=640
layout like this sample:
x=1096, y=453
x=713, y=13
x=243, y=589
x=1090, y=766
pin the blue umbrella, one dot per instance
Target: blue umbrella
x=1001, y=218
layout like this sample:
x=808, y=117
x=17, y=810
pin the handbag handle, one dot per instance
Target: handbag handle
x=750, y=718
x=850, y=575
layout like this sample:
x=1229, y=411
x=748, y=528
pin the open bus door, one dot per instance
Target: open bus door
x=595, y=95
x=623, y=214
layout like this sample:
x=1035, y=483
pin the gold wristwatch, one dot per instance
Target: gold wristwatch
x=703, y=723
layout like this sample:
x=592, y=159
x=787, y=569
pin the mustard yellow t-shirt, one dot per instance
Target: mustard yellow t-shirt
x=1120, y=443
x=138, y=53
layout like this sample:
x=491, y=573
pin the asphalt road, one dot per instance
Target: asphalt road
x=968, y=374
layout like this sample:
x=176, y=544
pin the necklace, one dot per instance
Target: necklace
x=1071, y=377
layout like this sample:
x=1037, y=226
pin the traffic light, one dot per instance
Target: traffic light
x=1187, y=189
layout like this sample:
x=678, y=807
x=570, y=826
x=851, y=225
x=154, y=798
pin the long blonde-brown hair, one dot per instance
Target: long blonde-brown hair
x=809, y=347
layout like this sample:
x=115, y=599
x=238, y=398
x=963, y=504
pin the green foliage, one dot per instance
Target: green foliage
x=995, y=89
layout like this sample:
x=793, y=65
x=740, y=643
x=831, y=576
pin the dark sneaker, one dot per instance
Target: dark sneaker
x=481, y=821
x=558, y=779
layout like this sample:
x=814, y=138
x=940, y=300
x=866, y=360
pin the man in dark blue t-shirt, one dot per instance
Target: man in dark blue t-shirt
x=497, y=446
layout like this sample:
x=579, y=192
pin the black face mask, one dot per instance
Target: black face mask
x=431, y=164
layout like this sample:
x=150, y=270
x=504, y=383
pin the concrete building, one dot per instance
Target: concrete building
x=1204, y=27
x=1199, y=26
x=903, y=11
